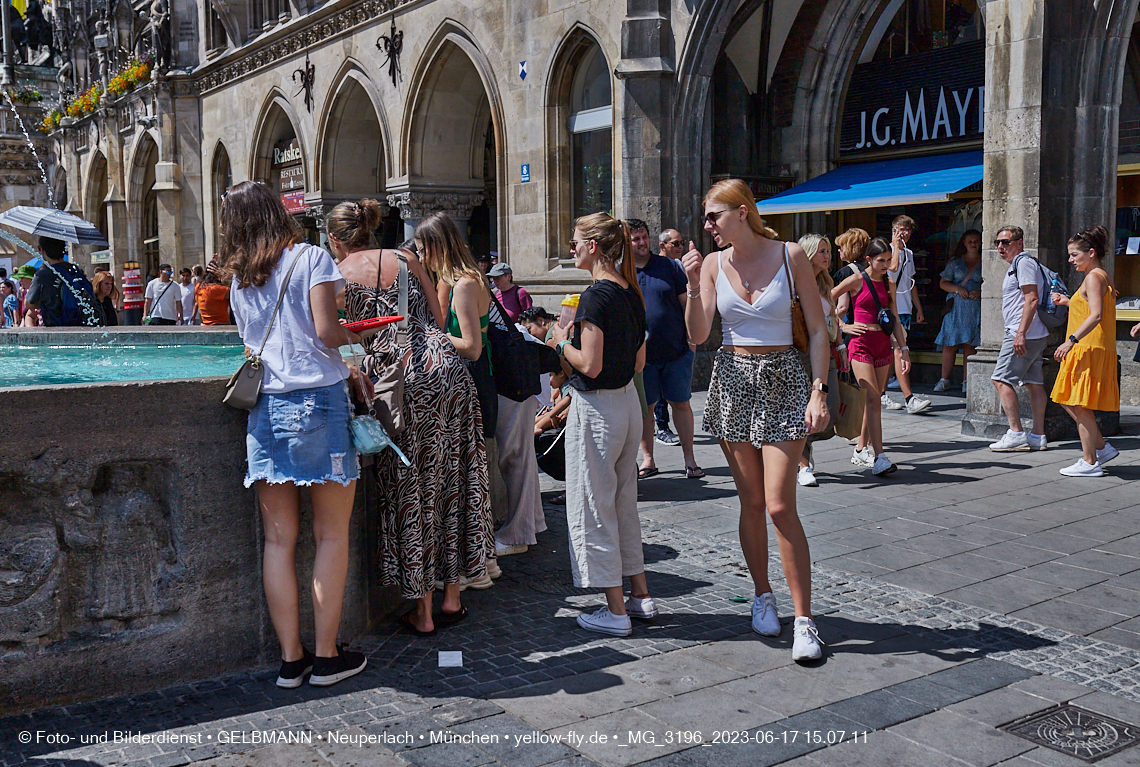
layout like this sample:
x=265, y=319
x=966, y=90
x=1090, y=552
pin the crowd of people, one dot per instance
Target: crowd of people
x=606, y=376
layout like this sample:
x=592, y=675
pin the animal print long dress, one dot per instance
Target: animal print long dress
x=435, y=516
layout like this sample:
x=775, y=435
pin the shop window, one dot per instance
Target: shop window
x=591, y=136
x=915, y=26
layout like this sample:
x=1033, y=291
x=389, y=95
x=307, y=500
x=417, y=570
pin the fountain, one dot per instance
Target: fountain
x=31, y=146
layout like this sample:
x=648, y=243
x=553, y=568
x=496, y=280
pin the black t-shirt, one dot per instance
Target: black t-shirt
x=620, y=314
x=839, y=277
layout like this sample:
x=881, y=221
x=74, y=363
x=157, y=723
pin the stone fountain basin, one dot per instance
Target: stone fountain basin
x=130, y=552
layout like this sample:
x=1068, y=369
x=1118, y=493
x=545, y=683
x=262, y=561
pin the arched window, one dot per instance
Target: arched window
x=223, y=179
x=591, y=136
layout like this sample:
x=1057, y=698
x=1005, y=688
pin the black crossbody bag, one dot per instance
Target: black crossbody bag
x=885, y=317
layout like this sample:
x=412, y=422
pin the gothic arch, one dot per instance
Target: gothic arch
x=826, y=69
x=453, y=78
x=96, y=183
x=575, y=45
x=142, y=203
x=352, y=137
x=453, y=140
x=275, y=118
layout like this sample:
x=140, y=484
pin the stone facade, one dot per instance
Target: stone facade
x=473, y=108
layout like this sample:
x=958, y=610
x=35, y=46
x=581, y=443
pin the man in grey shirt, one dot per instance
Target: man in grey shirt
x=1022, y=350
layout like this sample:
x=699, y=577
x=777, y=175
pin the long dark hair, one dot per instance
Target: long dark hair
x=614, y=243
x=960, y=250
x=1093, y=238
x=255, y=230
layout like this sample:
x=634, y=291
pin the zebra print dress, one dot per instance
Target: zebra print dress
x=435, y=515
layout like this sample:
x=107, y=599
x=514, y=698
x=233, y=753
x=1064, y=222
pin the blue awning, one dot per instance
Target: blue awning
x=909, y=181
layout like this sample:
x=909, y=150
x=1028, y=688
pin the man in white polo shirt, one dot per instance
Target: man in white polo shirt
x=1019, y=362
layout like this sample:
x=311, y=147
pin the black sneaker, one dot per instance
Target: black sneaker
x=328, y=671
x=292, y=672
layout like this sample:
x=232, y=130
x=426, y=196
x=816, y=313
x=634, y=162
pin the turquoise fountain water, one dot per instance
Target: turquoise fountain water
x=46, y=365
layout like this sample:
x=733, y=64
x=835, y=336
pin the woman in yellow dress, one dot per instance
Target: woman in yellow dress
x=1087, y=380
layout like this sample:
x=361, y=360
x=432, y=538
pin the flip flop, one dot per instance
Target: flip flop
x=449, y=619
x=694, y=472
x=406, y=622
x=646, y=472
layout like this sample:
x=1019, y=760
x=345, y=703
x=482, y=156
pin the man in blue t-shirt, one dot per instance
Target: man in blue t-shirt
x=668, y=357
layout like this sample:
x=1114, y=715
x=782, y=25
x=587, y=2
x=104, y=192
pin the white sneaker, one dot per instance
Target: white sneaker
x=1106, y=454
x=864, y=457
x=605, y=622
x=1038, y=442
x=1011, y=441
x=893, y=383
x=765, y=620
x=883, y=465
x=805, y=640
x=806, y=478
x=641, y=608
x=493, y=569
x=1082, y=469
x=470, y=583
x=943, y=384
x=890, y=404
x=506, y=549
x=916, y=404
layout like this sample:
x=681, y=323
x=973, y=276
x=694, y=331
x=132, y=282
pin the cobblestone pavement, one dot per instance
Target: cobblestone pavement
x=968, y=590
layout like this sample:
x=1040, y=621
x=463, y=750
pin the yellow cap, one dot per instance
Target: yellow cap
x=571, y=300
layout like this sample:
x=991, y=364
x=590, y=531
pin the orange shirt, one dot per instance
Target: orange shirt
x=213, y=303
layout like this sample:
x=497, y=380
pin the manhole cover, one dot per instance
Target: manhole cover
x=1076, y=731
x=557, y=587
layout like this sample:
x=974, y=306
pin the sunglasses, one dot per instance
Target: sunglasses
x=576, y=243
x=1001, y=243
x=712, y=216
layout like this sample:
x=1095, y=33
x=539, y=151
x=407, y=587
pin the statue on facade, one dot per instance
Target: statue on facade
x=160, y=33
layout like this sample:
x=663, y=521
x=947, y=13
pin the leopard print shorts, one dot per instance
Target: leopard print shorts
x=757, y=398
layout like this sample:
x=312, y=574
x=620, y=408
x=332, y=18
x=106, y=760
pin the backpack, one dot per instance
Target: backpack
x=1051, y=315
x=514, y=360
x=78, y=307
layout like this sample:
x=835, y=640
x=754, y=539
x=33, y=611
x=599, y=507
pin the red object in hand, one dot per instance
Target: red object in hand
x=375, y=322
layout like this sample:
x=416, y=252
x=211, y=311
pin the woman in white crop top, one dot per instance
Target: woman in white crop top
x=761, y=404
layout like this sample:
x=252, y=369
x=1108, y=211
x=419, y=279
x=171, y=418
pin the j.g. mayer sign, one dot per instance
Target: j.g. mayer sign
x=921, y=101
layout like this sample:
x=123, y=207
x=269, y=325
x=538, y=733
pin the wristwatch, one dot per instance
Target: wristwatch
x=819, y=386
x=1074, y=339
x=560, y=347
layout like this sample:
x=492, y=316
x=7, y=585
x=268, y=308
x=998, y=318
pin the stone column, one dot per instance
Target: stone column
x=415, y=206
x=646, y=74
x=1050, y=157
x=6, y=70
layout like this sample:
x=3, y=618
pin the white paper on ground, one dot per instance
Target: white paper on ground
x=450, y=658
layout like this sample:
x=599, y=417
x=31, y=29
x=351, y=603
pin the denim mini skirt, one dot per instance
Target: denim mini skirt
x=301, y=437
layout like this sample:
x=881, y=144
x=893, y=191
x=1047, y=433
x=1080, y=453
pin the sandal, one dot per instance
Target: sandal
x=645, y=472
x=407, y=621
x=694, y=472
x=450, y=619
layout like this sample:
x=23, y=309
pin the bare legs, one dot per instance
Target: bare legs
x=873, y=382
x=1091, y=438
x=281, y=519
x=1012, y=408
x=766, y=480
x=683, y=420
x=949, y=353
x=615, y=597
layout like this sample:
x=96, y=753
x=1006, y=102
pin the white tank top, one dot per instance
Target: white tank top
x=767, y=321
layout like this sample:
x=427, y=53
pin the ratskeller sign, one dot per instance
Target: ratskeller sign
x=925, y=100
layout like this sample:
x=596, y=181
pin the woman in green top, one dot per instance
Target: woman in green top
x=466, y=297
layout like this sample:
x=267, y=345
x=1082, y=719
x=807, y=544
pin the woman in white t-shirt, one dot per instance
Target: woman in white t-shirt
x=298, y=432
